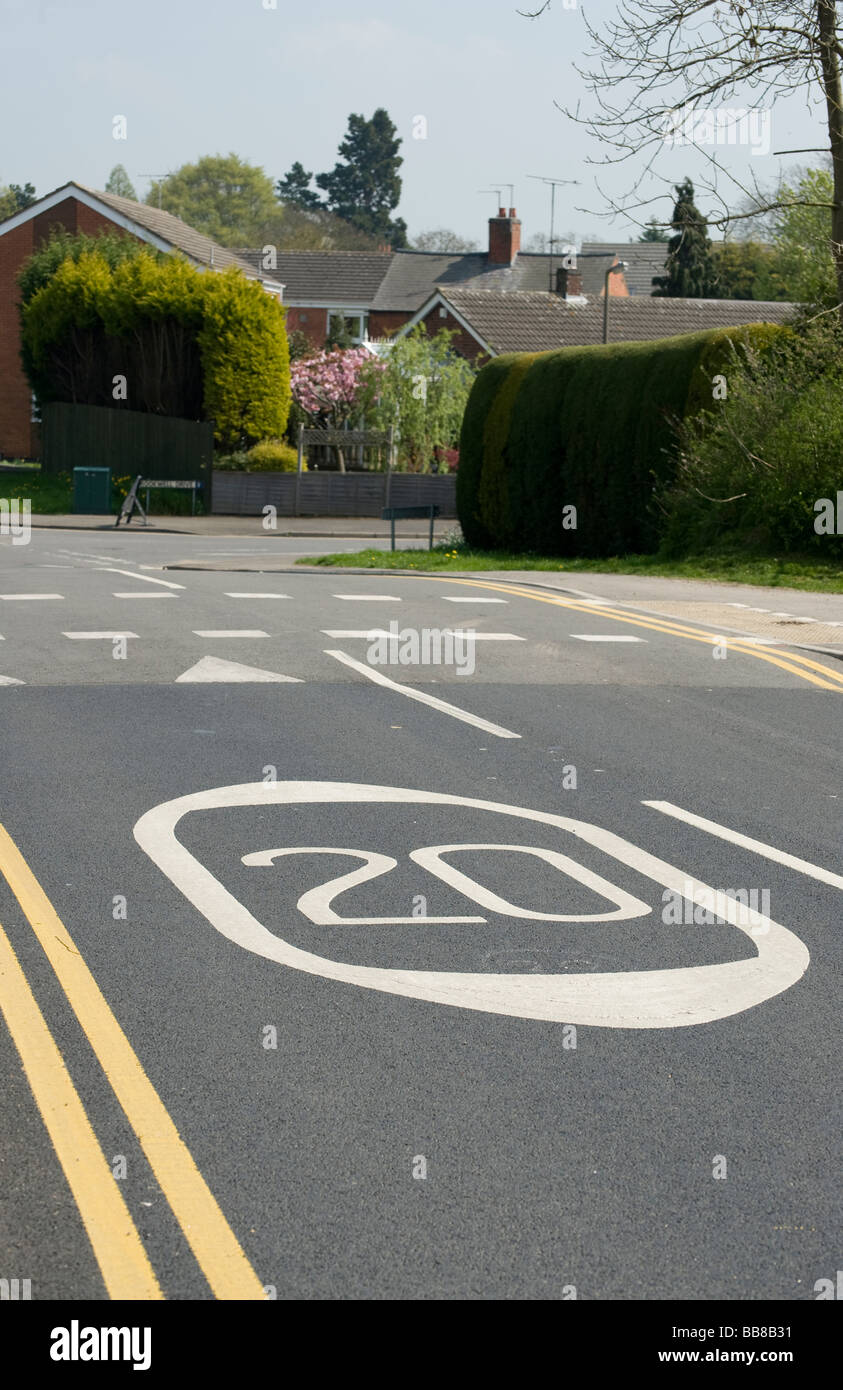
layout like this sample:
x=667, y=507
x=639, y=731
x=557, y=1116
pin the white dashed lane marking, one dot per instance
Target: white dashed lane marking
x=241, y=632
x=243, y=595
x=604, y=637
x=23, y=598
x=369, y=598
x=372, y=632
x=457, y=598
x=97, y=636
x=144, y=594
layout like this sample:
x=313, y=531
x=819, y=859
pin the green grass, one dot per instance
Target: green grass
x=792, y=571
x=51, y=494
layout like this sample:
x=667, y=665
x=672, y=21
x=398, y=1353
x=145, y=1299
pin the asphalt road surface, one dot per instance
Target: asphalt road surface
x=330, y=973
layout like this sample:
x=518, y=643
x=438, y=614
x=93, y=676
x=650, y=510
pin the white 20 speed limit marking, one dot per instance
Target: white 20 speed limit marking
x=671, y=998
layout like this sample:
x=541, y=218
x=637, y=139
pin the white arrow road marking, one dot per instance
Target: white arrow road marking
x=213, y=668
x=423, y=698
x=672, y=998
x=802, y=866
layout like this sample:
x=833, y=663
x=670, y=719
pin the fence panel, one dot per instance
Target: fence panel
x=330, y=494
x=128, y=442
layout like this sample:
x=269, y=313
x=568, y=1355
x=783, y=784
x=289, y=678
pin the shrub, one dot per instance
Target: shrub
x=584, y=427
x=420, y=387
x=751, y=469
x=245, y=359
x=272, y=456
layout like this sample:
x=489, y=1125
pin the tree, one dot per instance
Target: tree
x=799, y=232
x=747, y=270
x=295, y=188
x=423, y=392
x=443, y=240
x=366, y=188
x=15, y=198
x=689, y=270
x=120, y=184
x=330, y=388
x=220, y=195
x=654, y=232
x=661, y=65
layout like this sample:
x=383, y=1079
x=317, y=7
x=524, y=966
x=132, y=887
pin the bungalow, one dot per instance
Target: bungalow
x=77, y=208
x=489, y=323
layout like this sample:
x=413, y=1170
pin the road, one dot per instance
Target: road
x=340, y=977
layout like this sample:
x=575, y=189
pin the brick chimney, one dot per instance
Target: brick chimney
x=504, y=237
x=568, y=282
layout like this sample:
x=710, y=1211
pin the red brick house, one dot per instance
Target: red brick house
x=379, y=292
x=80, y=209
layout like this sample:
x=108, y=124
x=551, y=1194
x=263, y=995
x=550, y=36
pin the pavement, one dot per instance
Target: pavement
x=412, y=959
x=362, y=528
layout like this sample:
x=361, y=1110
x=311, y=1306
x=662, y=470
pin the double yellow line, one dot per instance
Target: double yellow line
x=796, y=664
x=124, y=1264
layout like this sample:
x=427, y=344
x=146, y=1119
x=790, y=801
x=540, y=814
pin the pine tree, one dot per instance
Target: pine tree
x=366, y=189
x=689, y=270
x=295, y=188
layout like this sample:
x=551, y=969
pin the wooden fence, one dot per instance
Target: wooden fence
x=331, y=494
x=128, y=442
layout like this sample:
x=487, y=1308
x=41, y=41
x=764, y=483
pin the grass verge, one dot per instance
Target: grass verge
x=51, y=494
x=792, y=571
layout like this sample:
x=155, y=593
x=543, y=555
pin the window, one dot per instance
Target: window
x=357, y=325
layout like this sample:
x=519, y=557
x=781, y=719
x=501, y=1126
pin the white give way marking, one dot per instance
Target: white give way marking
x=671, y=998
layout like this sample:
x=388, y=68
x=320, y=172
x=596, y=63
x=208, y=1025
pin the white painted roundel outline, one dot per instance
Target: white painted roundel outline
x=671, y=998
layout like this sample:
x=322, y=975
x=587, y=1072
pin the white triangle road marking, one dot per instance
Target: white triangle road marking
x=213, y=668
x=11, y=680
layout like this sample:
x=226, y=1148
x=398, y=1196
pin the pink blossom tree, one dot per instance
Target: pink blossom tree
x=332, y=387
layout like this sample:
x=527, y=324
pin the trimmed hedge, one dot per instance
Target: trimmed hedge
x=110, y=323
x=591, y=427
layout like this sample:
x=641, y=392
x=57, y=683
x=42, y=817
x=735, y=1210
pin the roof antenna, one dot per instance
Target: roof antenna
x=554, y=184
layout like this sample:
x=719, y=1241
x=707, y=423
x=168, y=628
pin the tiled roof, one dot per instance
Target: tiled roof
x=326, y=277
x=402, y=281
x=178, y=234
x=413, y=276
x=537, y=321
x=644, y=260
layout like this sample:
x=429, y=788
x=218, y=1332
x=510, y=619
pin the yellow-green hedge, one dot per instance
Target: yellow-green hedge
x=185, y=341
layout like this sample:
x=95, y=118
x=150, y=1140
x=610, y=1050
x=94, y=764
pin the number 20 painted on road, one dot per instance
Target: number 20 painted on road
x=669, y=998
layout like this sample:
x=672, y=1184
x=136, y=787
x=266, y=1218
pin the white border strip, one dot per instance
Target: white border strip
x=423, y=698
x=802, y=866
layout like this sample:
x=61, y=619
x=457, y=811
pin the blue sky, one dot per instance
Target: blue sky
x=196, y=77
